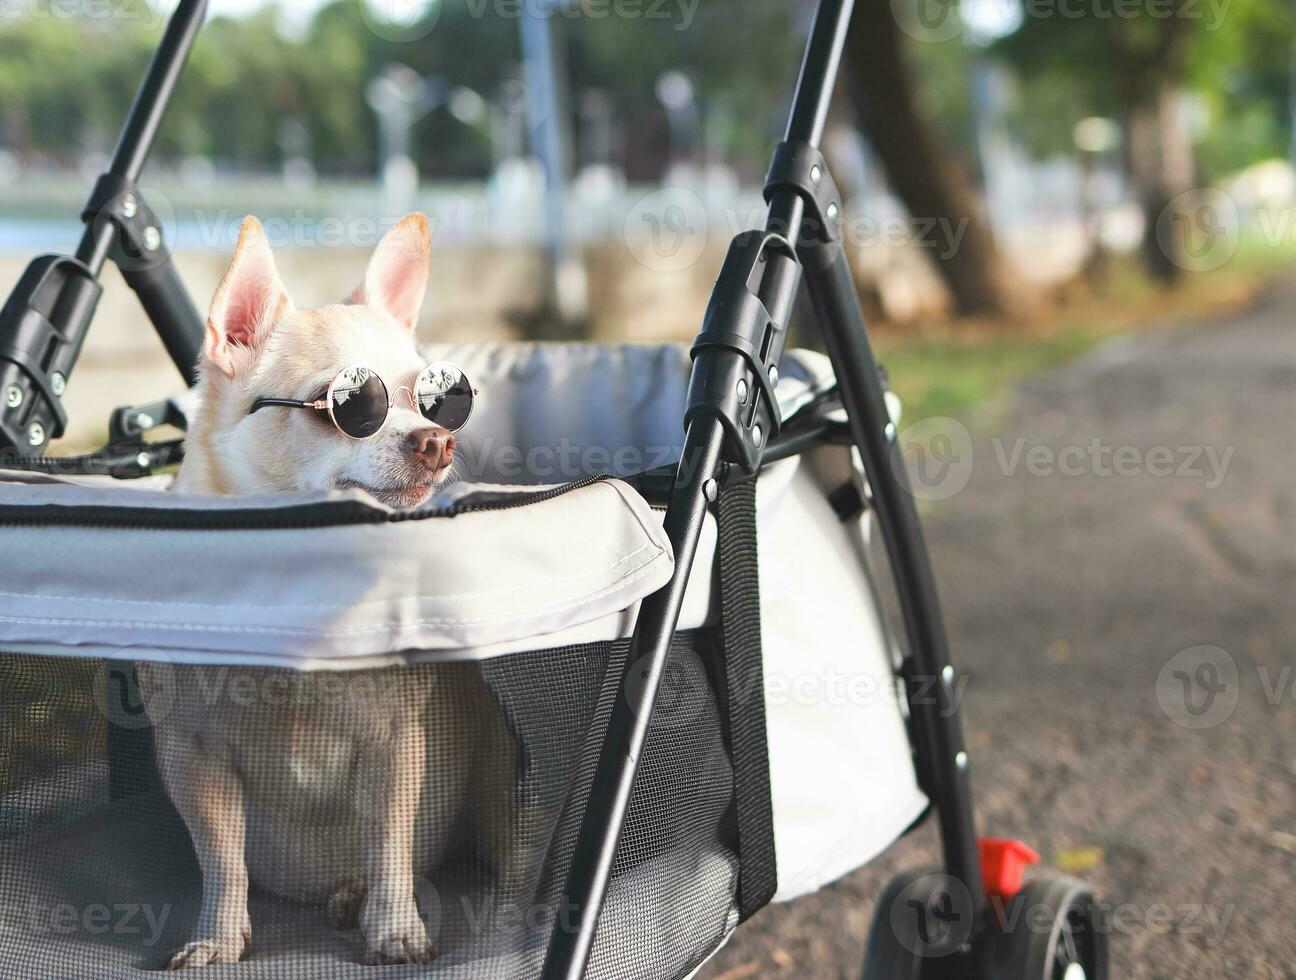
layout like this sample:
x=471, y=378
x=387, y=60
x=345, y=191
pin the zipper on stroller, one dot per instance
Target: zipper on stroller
x=340, y=513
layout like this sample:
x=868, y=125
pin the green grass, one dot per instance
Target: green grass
x=1265, y=252
x=948, y=376
x=945, y=369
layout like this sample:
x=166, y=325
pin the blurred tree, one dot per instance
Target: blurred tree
x=60, y=114
x=1137, y=67
x=1241, y=68
x=926, y=178
x=246, y=77
x=1149, y=55
x=65, y=85
x=942, y=74
x=473, y=46
x=741, y=55
x=336, y=56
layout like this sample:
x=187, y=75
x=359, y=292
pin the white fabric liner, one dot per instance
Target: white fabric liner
x=347, y=597
x=570, y=569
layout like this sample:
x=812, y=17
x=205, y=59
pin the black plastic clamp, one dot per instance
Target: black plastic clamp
x=42, y=326
x=44, y=322
x=138, y=247
x=802, y=169
x=736, y=355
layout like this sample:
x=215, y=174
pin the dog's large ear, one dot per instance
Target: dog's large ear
x=396, y=279
x=248, y=301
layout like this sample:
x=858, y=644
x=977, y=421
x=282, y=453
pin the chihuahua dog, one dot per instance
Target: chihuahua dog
x=319, y=798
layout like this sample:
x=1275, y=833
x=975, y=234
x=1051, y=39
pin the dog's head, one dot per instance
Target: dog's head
x=259, y=345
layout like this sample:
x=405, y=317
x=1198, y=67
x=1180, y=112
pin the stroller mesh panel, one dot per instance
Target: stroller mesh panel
x=98, y=875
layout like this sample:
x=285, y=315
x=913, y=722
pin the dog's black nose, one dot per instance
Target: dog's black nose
x=434, y=448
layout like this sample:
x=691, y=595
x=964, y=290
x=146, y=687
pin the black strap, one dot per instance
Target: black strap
x=740, y=629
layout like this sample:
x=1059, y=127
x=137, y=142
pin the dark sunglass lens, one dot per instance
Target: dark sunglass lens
x=359, y=402
x=444, y=395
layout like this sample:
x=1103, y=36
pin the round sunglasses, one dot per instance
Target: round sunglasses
x=358, y=402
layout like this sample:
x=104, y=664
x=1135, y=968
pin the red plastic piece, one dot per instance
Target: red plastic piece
x=1003, y=862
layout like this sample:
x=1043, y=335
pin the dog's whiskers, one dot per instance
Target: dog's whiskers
x=451, y=476
x=458, y=466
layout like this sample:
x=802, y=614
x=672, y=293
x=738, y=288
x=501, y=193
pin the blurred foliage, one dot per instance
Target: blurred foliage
x=65, y=84
x=1243, y=72
x=1237, y=68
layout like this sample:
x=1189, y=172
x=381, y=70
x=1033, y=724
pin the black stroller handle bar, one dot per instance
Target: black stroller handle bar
x=145, y=119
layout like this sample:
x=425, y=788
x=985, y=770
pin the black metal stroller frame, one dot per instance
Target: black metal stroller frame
x=733, y=426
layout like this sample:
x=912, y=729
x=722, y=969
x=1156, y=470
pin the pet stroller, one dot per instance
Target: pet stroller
x=639, y=763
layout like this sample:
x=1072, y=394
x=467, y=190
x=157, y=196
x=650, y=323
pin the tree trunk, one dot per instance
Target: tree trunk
x=1157, y=150
x=1156, y=186
x=927, y=181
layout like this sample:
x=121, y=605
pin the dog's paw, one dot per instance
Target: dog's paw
x=396, y=935
x=226, y=947
x=206, y=952
x=345, y=904
x=400, y=950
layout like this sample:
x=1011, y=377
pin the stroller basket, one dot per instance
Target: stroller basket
x=495, y=620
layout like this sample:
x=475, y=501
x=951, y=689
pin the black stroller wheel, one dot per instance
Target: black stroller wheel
x=1051, y=931
x=921, y=929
